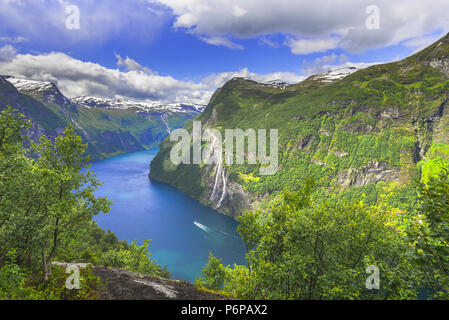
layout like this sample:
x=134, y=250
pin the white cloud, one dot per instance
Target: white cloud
x=325, y=63
x=313, y=25
x=267, y=42
x=216, y=80
x=311, y=46
x=420, y=43
x=316, y=26
x=78, y=78
x=221, y=41
x=14, y=40
x=7, y=53
x=101, y=20
x=239, y=11
x=131, y=65
x=310, y=69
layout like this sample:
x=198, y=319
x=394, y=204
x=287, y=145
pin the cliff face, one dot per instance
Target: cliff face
x=372, y=131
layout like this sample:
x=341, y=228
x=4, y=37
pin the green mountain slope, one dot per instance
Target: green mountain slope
x=109, y=131
x=373, y=132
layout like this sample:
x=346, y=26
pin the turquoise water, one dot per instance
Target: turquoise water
x=182, y=230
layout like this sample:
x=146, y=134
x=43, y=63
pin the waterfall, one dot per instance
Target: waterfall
x=164, y=120
x=224, y=190
x=219, y=161
x=217, y=179
x=220, y=173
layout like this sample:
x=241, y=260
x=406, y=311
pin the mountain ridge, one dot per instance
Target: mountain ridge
x=108, y=131
x=371, y=132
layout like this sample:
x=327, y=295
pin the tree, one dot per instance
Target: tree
x=430, y=234
x=14, y=169
x=307, y=250
x=213, y=274
x=66, y=192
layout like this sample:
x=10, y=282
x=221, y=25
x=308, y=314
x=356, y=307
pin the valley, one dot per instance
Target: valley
x=109, y=126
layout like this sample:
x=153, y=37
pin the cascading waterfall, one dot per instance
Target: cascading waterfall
x=224, y=190
x=217, y=180
x=164, y=120
x=220, y=174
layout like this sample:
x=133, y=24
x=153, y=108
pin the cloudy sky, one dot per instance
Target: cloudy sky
x=182, y=50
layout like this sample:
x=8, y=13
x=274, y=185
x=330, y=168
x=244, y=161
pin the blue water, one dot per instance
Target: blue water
x=182, y=230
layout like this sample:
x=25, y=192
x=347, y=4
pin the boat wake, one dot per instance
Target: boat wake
x=216, y=234
x=201, y=226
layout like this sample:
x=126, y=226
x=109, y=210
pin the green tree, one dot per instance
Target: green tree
x=66, y=192
x=14, y=173
x=430, y=234
x=310, y=250
x=213, y=274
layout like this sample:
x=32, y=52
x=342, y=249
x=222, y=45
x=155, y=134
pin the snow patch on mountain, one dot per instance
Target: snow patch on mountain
x=334, y=75
x=325, y=77
x=49, y=92
x=46, y=90
x=30, y=85
x=153, y=107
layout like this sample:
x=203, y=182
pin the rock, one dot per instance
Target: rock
x=389, y=113
x=232, y=201
x=65, y=264
x=340, y=154
x=127, y=285
x=372, y=173
x=441, y=64
x=375, y=172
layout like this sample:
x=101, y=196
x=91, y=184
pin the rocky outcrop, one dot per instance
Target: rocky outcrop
x=372, y=173
x=441, y=64
x=119, y=284
x=127, y=285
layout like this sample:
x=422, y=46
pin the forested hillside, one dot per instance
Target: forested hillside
x=372, y=133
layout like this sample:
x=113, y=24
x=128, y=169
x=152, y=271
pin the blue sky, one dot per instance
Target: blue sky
x=182, y=50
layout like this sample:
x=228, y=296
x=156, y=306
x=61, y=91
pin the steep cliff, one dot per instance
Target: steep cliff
x=372, y=131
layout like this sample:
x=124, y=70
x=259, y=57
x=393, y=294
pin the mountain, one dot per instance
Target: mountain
x=333, y=75
x=371, y=132
x=111, y=127
x=94, y=102
x=44, y=91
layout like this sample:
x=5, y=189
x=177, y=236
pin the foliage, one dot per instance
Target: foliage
x=430, y=234
x=47, y=203
x=391, y=116
x=134, y=258
x=301, y=249
x=213, y=274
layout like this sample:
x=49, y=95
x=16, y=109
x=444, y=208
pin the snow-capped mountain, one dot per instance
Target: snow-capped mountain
x=48, y=92
x=334, y=75
x=42, y=90
x=277, y=83
x=100, y=124
x=94, y=102
x=325, y=77
x=273, y=83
